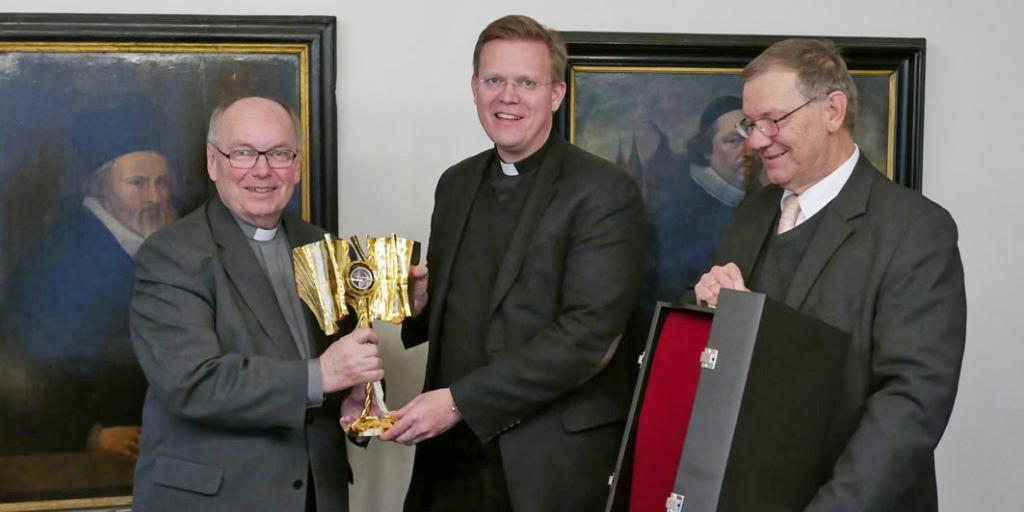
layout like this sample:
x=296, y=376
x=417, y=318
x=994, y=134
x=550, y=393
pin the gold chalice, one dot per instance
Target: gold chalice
x=334, y=275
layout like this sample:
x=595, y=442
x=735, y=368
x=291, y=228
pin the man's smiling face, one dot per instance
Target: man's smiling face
x=798, y=155
x=257, y=195
x=518, y=121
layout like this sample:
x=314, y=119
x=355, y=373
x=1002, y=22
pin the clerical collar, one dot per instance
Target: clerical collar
x=508, y=169
x=528, y=164
x=709, y=180
x=264, y=235
x=257, y=233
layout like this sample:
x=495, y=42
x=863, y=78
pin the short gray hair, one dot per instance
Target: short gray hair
x=819, y=67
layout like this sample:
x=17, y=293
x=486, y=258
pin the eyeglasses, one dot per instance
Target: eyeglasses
x=246, y=158
x=768, y=127
x=498, y=83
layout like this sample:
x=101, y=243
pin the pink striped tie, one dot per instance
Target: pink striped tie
x=790, y=211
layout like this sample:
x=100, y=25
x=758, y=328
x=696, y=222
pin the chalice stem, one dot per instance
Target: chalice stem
x=368, y=400
x=363, y=320
x=374, y=389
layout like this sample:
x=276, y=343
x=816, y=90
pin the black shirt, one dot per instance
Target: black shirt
x=492, y=220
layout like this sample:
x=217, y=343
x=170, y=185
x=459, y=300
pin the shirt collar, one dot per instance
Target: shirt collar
x=129, y=240
x=823, y=192
x=709, y=180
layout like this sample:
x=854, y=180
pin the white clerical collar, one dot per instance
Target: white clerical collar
x=256, y=233
x=823, y=192
x=129, y=240
x=508, y=169
x=264, y=235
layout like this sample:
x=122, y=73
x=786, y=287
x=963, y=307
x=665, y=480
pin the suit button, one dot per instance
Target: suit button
x=297, y=484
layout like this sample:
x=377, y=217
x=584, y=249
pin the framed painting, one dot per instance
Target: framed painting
x=79, y=94
x=664, y=106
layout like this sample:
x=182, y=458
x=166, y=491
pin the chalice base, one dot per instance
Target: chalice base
x=371, y=426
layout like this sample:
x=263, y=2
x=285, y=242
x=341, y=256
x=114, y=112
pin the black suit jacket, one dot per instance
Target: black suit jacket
x=225, y=424
x=555, y=389
x=884, y=266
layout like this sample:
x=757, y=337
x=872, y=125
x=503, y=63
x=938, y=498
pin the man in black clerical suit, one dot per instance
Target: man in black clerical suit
x=835, y=239
x=536, y=255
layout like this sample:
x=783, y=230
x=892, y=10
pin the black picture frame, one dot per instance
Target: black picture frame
x=904, y=58
x=307, y=47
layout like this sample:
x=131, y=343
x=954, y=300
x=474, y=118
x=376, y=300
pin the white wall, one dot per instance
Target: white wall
x=405, y=113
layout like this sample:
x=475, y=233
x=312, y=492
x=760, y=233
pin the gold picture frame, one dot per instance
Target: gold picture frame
x=54, y=70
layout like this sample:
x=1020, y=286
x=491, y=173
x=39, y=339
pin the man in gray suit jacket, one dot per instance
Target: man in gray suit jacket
x=536, y=256
x=244, y=398
x=833, y=238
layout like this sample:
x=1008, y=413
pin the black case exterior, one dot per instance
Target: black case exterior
x=761, y=435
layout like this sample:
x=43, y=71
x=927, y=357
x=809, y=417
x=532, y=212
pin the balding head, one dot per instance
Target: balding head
x=218, y=113
x=265, y=129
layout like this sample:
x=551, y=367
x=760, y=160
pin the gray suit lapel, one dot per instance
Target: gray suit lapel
x=835, y=228
x=248, y=277
x=540, y=195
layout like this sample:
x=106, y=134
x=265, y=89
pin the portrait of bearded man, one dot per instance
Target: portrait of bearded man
x=66, y=299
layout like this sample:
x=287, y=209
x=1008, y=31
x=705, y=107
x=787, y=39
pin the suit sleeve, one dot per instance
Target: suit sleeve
x=917, y=346
x=601, y=277
x=416, y=330
x=174, y=331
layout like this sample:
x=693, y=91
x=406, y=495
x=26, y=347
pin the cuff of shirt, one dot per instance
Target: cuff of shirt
x=315, y=384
